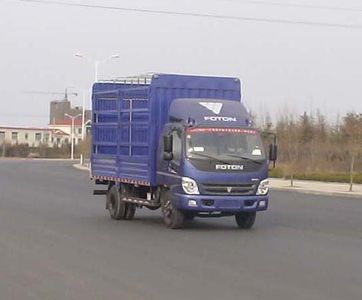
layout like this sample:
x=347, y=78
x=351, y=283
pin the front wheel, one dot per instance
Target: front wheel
x=172, y=217
x=189, y=216
x=245, y=220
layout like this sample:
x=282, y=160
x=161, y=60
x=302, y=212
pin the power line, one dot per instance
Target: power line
x=308, y=6
x=199, y=15
x=11, y=115
x=298, y=5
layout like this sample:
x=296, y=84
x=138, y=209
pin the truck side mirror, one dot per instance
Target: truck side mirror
x=167, y=156
x=273, y=152
x=167, y=147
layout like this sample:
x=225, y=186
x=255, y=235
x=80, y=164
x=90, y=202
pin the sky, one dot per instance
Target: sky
x=284, y=68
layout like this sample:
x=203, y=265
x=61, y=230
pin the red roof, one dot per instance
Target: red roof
x=25, y=128
x=67, y=121
x=59, y=132
x=53, y=130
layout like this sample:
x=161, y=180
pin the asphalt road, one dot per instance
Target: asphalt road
x=57, y=242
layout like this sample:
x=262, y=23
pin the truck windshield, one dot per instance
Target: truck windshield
x=224, y=144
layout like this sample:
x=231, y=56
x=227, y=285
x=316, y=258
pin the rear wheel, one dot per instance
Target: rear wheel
x=172, y=217
x=245, y=220
x=130, y=211
x=130, y=208
x=116, y=206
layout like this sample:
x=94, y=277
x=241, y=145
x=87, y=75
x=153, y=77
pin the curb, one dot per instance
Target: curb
x=314, y=192
x=80, y=167
x=35, y=159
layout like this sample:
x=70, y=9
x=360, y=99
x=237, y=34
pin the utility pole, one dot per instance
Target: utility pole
x=2, y=140
x=3, y=147
x=351, y=173
x=83, y=114
x=72, y=133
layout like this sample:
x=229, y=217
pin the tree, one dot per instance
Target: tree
x=352, y=132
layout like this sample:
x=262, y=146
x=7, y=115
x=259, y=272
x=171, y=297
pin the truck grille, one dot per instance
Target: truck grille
x=241, y=189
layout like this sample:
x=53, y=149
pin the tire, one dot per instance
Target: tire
x=245, y=220
x=189, y=216
x=116, y=206
x=130, y=211
x=152, y=207
x=172, y=217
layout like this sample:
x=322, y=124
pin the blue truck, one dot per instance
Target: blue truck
x=185, y=144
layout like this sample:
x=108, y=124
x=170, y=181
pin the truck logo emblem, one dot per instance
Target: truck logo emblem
x=224, y=119
x=215, y=107
x=229, y=188
x=230, y=167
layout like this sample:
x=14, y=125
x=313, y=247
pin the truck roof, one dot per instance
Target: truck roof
x=146, y=79
x=161, y=80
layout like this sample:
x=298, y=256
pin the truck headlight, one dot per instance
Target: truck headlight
x=190, y=186
x=263, y=187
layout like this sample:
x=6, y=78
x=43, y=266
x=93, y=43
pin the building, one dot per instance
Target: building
x=59, y=131
x=65, y=125
x=32, y=136
x=58, y=118
x=59, y=109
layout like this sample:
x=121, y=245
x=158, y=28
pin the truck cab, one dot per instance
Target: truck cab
x=212, y=162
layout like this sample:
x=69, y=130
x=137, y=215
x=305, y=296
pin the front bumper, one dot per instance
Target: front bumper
x=223, y=204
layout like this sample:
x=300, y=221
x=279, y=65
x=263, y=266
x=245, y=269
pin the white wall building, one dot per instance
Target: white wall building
x=33, y=136
x=66, y=126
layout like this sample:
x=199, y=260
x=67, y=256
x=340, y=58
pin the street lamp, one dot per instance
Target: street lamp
x=97, y=62
x=2, y=140
x=83, y=91
x=72, y=133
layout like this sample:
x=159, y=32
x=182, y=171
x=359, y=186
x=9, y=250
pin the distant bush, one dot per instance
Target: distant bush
x=85, y=147
x=312, y=148
x=276, y=173
x=24, y=150
x=326, y=177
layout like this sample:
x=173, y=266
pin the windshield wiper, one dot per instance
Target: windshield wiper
x=258, y=161
x=211, y=157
